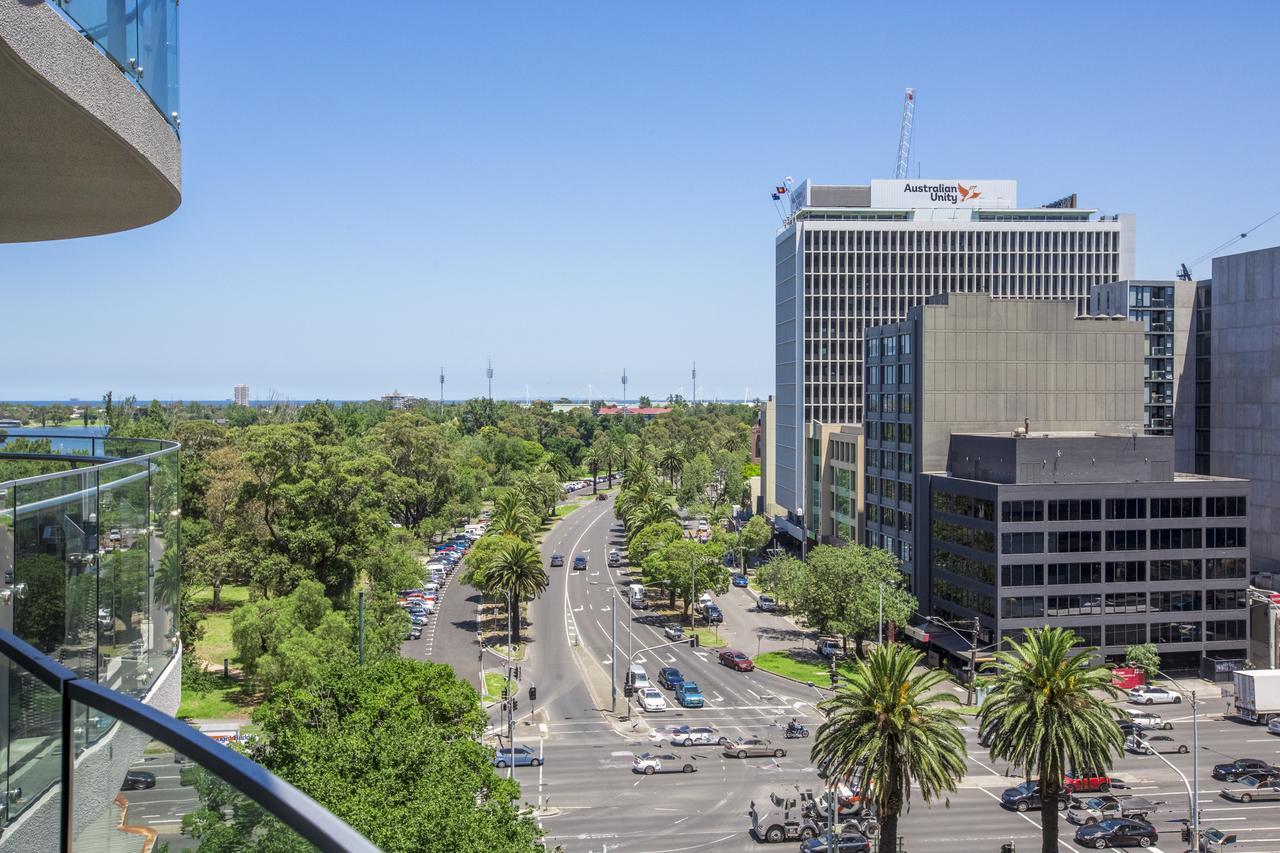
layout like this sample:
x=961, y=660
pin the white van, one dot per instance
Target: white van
x=636, y=593
x=639, y=677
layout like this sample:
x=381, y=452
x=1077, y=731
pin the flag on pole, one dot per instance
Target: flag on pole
x=787, y=180
x=776, y=197
x=780, y=190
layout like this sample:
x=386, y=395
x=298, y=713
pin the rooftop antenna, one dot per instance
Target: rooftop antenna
x=442, y=390
x=624, y=388
x=904, y=135
x=489, y=375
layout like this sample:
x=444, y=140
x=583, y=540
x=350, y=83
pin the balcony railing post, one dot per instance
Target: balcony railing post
x=68, y=768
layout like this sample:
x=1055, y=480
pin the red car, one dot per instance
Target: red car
x=1076, y=782
x=736, y=660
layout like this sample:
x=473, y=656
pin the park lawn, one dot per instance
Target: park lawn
x=707, y=637
x=786, y=665
x=232, y=597
x=493, y=686
x=216, y=645
x=223, y=701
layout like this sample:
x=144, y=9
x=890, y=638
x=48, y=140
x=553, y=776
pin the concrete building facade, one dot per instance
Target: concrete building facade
x=852, y=257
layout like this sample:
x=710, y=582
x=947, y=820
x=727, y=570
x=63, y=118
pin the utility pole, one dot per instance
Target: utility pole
x=613, y=653
x=511, y=721
x=1195, y=775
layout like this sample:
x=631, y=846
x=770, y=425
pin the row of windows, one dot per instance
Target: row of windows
x=889, y=459
x=1161, y=539
x=887, y=489
x=888, y=345
x=1091, y=509
x=966, y=598
x=892, y=431
x=979, y=508
x=1131, y=634
x=979, y=540
x=1130, y=571
x=890, y=403
x=994, y=240
x=889, y=374
x=964, y=566
x=1092, y=604
x=887, y=516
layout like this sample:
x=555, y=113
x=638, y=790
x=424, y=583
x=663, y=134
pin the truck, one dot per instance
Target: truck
x=800, y=814
x=1257, y=694
x=1086, y=811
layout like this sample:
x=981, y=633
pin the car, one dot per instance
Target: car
x=828, y=647
x=744, y=747
x=696, y=735
x=670, y=677
x=736, y=660
x=615, y=559
x=557, y=560
x=1251, y=788
x=713, y=614
x=1117, y=832
x=1146, y=695
x=418, y=620
x=704, y=601
x=849, y=840
x=766, y=604
x=1026, y=797
x=1149, y=720
x=702, y=524
x=136, y=780
x=1104, y=806
x=579, y=562
x=415, y=633
x=518, y=756
x=673, y=631
x=1233, y=771
x=688, y=695
x=651, y=700
x=649, y=763
x=1273, y=725
x=1151, y=744
x=1077, y=781
x=602, y=497
x=740, y=580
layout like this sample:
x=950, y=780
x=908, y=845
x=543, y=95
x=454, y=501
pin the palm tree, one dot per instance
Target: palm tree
x=671, y=462
x=593, y=459
x=516, y=572
x=653, y=511
x=511, y=516
x=610, y=453
x=888, y=728
x=1047, y=712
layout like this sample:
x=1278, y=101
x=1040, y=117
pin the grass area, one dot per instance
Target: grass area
x=564, y=509
x=232, y=596
x=801, y=669
x=224, y=700
x=216, y=643
x=517, y=651
x=493, y=686
x=707, y=638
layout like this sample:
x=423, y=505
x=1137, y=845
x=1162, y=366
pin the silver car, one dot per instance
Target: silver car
x=1249, y=789
x=673, y=632
x=1153, y=696
x=696, y=736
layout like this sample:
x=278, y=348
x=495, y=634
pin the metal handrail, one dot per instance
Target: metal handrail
x=293, y=808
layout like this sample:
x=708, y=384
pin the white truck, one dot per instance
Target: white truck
x=1257, y=694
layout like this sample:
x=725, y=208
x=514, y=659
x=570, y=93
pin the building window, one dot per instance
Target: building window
x=963, y=597
x=1125, y=602
x=1175, y=570
x=1074, y=541
x=888, y=431
x=1022, y=511
x=1175, y=507
x=904, y=522
x=1219, y=568
x=873, y=374
x=1224, y=537
x=1126, y=508
x=1131, y=634
x=889, y=346
x=980, y=540
x=1175, y=538
x=1225, y=599
x=890, y=374
x=1229, y=629
x=1075, y=573
x=873, y=513
x=873, y=457
x=1022, y=543
x=1126, y=540
x=979, y=508
x=964, y=566
x=904, y=492
x=1176, y=602
x=1022, y=607
x=1229, y=507
x=1131, y=571
x=1175, y=632
x=1075, y=510
x=904, y=403
x=889, y=516
x=872, y=403
x=873, y=347
x=904, y=463
x=906, y=374
x=1074, y=605
x=904, y=433
x=1089, y=635
x=904, y=344
x=1022, y=574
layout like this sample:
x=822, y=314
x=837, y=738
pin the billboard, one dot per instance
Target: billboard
x=800, y=195
x=928, y=192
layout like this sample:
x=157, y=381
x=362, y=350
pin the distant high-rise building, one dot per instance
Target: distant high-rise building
x=241, y=395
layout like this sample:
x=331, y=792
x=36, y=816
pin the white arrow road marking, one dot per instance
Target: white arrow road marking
x=607, y=660
x=578, y=609
x=605, y=609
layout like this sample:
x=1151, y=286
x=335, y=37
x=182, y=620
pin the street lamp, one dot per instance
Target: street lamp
x=1193, y=790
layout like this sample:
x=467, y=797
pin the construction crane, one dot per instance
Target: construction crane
x=904, y=136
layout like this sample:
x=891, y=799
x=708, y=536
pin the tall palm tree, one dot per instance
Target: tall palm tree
x=610, y=453
x=511, y=516
x=671, y=462
x=594, y=460
x=653, y=511
x=1047, y=712
x=516, y=571
x=890, y=729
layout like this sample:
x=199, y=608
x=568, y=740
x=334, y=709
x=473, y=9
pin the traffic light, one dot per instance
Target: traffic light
x=693, y=641
x=517, y=676
x=505, y=694
x=533, y=693
x=515, y=704
x=628, y=690
x=1186, y=835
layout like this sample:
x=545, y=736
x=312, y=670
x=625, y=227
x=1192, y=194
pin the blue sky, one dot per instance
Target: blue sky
x=578, y=188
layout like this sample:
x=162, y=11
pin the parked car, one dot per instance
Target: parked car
x=670, y=677
x=1077, y=781
x=745, y=747
x=1151, y=744
x=736, y=660
x=652, y=700
x=673, y=631
x=696, y=735
x=1233, y=771
x=557, y=561
x=766, y=604
x=415, y=633
x=602, y=497
x=740, y=580
x=1117, y=832
x=136, y=780
x=828, y=647
x=579, y=562
x=849, y=840
x=1149, y=720
x=517, y=756
x=1251, y=788
x=713, y=614
x=688, y=695
x=649, y=763
x=1146, y=695
x=1026, y=797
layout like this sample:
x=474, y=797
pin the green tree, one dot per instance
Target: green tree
x=687, y=569
x=594, y=460
x=291, y=639
x=1047, y=712
x=512, y=516
x=891, y=729
x=783, y=577
x=671, y=462
x=844, y=588
x=393, y=748
x=419, y=481
x=1144, y=656
x=755, y=534
x=653, y=538
x=516, y=574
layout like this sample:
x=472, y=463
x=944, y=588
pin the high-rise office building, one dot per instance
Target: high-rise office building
x=849, y=257
x=241, y=395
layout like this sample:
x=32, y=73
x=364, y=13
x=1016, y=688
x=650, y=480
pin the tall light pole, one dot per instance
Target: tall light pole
x=694, y=375
x=624, y=388
x=1194, y=791
x=489, y=375
x=613, y=653
x=442, y=390
x=511, y=722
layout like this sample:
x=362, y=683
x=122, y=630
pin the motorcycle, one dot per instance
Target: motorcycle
x=795, y=731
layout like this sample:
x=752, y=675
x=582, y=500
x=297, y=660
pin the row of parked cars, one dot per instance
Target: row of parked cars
x=575, y=485
x=423, y=601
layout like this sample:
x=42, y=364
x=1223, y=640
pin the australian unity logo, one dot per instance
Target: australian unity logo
x=955, y=193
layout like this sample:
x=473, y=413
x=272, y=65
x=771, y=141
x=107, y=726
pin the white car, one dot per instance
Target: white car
x=696, y=736
x=649, y=763
x=1149, y=720
x=651, y=700
x=1153, y=696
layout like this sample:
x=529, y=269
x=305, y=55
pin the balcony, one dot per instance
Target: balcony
x=89, y=144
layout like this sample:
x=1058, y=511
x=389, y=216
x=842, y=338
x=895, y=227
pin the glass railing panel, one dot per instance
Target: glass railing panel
x=31, y=753
x=128, y=787
x=158, y=37
x=166, y=574
x=126, y=631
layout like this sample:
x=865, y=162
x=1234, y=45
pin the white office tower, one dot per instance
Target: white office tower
x=849, y=257
x=242, y=395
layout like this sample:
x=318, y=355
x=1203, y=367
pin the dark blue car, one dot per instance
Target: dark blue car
x=739, y=580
